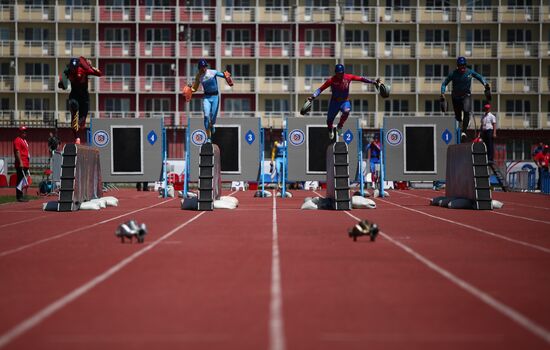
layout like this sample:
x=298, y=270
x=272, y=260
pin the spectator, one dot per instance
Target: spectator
x=373, y=158
x=145, y=185
x=543, y=160
x=53, y=143
x=536, y=151
x=488, y=131
x=22, y=163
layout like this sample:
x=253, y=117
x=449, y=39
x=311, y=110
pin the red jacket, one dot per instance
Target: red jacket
x=21, y=145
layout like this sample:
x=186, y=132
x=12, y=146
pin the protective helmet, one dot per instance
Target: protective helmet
x=202, y=63
x=339, y=68
x=487, y=106
x=75, y=62
x=461, y=61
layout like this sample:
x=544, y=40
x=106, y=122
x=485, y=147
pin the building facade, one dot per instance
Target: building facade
x=279, y=52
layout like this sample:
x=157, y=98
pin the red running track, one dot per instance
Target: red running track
x=271, y=276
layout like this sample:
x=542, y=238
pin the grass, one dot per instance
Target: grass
x=9, y=199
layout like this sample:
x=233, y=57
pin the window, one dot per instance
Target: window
x=117, y=69
x=357, y=35
x=277, y=35
x=438, y=4
x=318, y=70
x=157, y=3
x=320, y=106
x=518, y=35
x=397, y=4
x=117, y=2
x=37, y=104
x=77, y=2
x=357, y=3
x=199, y=3
x=117, y=34
x=432, y=107
x=5, y=68
x=236, y=105
x=277, y=70
x=239, y=69
x=518, y=149
x=483, y=69
x=478, y=35
x=237, y=35
x=36, y=34
x=518, y=70
x=437, y=70
x=397, y=70
x=237, y=3
x=317, y=35
x=277, y=3
x=317, y=3
x=396, y=106
x=478, y=4
x=519, y=3
x=195, y=105
x=158, y=69
x=437, y=35
x=276, y=105
x=360, y=69
x=397, y=35
x=39, y=69
x=200, y=34
x=77, y=34
x=117, y=104
x=157, y=105
x=37, y=2
x=4, y=104
x=518, y=106
x=157, y=34
x=360, y=105
x=4, y=34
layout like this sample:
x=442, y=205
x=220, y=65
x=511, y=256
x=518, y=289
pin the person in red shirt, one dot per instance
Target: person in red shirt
x=22, y=163
x=543, y=158
x=77, y=72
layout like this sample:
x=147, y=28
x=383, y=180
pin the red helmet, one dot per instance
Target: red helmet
x=487, y=106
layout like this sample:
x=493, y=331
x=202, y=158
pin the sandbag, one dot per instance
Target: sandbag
x=230, y=199
x=460, y=203
x=262, y=194
x=287, y=194
x=50, y=206
x=110, y=201
x=309, y=205
x=222, y=204
x=437, y=200
x=89, y=206
x=191, y=203
x=102, y=202
x=359, y=202
x=497, y=204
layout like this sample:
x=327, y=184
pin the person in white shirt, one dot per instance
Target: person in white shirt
x=488, y=130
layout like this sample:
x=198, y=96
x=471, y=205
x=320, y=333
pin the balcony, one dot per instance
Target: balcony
x=157, y=49
x=76, y=13
x=437, y=15
x=397, y=15
x=37, y=118
x=116, y=14
x=238, y=14
x=197, y=14
x=274, y=14
x=360, y=14
x=117, y=84
x=437, y=50
x=76, y=48
x=274, y=49
x=507, y=120
x=545, y=85
x=518, y=85
x=35, y=13
x=117, y=114
x=316, y=15
x=157, y=84
x=7, y=48
x=36, y=48
x=316, y=49
x=479, y=89
x=479, y=49
x=7, y=13
x=479, y=14
x=157, y=14
x=278, y=85
x=519, y=49
x=429, y=85
x=238, y=49
x=198, y=49
x=519, y=14
x=545, y=14
x=7, y=83
x=400, y=85
x=241, y=85
x=308, y=84
x=117, y=49
x=360, y=50
x=397, y=50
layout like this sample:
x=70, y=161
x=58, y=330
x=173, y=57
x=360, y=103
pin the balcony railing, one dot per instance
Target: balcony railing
x=479, y=49
x=238, y=14
x=7, y=13
x=507, y=120
x=241, y=85
x=36, y=83
x=76, y=13
x=76, y=48
x=37, y=13
x=519, y=14
x=7, y=48
x=35, y=48
x=519, y=49
x=197, y=14
x=117, y=84
x=437, y=49
x=117, y=49
x=360, y=14
x=437, y=14
x=401, y=85
x=274, y=49
x=397, y=14
x=359, y=50
x=397, y=50
x=316, y=14
x=317, y=49
x=518, y=85
x=157, y=49
x=198, y=49
x=479, y=14
x=275, y=14
x=238, y=49
x=545, y=14
x=117, y=14
x=7, y=83
x=275, y=84
x=157, y=14
x=157, y=84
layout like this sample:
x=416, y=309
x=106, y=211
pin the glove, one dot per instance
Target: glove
x=61, y=85
x=271, y=168
x=228, y=78
x=187, y=93
x=311, y=98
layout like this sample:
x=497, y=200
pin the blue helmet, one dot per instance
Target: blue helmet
x=461, y=61
x=339, y=68
x=202, y=63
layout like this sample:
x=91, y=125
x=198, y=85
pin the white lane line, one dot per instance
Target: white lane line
x=276, y=326
x=504, y=309
x=492, y=234
x=60, y=303
x=23, y=221
x=493, y=212
x=18, y=249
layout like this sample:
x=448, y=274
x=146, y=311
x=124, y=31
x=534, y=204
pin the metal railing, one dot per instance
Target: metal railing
x=76, y=13
x=397, y=50
x=518, y=85
x=519, y=14
x=359, y=49
x=166, y=49
x=7, y=48
x=117, y=14
x=117, y=49
x=76, y=48
x=157, y=13
x=479, y=49
x=360, y=14
x=156, y=84
x=280, y=14
x=436, y=50
x=35, y=48
x=7, y=13
x=507, y=120
x=238, y=14
x=199, y=49
x=35, y=13
x=274, y=49
x=7, y=83
x=519, y=49
x=238, y=49
x=117, y=84
x=197, y=14
x=35, y=83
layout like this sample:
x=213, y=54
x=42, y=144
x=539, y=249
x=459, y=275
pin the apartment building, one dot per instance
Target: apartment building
x=278, y=51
